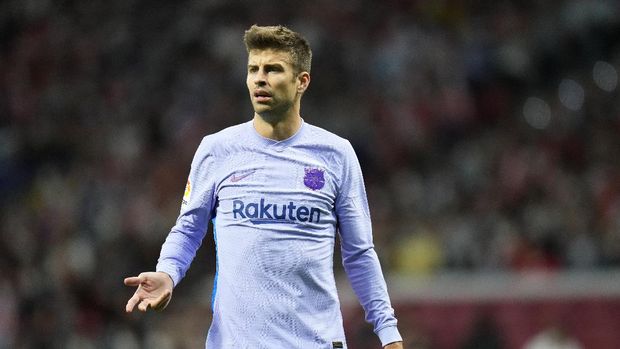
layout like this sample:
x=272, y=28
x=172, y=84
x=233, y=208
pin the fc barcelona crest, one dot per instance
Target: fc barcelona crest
x=314, y=178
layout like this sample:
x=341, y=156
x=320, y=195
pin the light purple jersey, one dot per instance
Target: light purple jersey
x=276, y=207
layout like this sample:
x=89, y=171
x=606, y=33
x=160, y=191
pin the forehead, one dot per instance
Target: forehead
x=269, y=56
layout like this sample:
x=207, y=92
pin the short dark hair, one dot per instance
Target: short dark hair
x=280, y=38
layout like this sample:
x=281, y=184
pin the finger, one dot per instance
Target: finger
x=132, y=303
x=144, y=305
x=161, y=302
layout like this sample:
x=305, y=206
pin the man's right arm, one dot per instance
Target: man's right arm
x=154, y=289
x=186, y=236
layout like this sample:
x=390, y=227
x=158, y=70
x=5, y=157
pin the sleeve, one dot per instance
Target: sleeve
x=185, y=237
x=359, y=258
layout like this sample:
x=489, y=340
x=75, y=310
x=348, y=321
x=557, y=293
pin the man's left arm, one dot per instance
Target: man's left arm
x=359, y=258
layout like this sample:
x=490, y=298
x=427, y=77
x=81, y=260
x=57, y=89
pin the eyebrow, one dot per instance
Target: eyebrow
x=268, y=65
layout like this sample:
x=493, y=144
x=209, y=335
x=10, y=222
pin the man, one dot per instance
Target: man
x=277, y=190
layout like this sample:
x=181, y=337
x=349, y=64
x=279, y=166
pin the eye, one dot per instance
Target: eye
x=274, y=68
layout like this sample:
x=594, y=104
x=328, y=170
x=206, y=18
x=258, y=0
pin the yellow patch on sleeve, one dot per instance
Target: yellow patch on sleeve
x=188, y=189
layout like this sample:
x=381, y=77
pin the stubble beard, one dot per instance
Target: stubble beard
x=275, y=114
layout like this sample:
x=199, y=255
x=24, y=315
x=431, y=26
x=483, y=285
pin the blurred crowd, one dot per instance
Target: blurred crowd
x=488, y=132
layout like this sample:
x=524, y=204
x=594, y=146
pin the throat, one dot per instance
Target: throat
x=277, y=130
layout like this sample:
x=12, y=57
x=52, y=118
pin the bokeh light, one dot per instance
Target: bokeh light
x=537, y=113
x=605, y=76
x=572, y=94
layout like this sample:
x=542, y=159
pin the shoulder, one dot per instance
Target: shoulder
x=328, y=139
x=219, y=143
x=333, y=149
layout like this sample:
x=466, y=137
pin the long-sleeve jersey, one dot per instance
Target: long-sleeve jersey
x=276, y=207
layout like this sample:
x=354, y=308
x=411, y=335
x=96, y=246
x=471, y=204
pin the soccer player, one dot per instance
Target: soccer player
x=277, y=190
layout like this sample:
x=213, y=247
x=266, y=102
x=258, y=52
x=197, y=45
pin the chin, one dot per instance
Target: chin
x=262, y=110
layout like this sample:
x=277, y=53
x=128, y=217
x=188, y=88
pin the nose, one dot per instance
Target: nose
x=260, y=78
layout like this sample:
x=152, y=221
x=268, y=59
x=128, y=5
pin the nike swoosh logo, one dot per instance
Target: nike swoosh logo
x=234, y=178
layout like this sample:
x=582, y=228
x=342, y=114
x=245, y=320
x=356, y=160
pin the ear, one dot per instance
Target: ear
x=304, y=80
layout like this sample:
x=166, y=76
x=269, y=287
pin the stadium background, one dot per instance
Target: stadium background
x=488, y=132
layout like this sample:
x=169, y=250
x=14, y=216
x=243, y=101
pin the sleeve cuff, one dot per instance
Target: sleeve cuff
x=170, y=271
x=389, y=335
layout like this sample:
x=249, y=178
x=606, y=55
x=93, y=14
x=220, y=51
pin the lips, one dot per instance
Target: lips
x=262, y=96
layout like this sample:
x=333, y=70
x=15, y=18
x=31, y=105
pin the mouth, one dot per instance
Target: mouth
x=262, y=96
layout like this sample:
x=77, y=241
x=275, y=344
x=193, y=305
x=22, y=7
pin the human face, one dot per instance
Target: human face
x=275, y=89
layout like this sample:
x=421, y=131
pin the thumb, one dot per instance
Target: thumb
x=134, y=280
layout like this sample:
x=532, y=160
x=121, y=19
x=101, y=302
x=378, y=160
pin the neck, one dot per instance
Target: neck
x=279, y=129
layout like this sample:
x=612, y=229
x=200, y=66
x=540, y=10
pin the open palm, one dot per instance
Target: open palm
x=154, y=291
